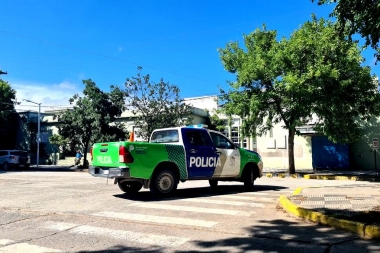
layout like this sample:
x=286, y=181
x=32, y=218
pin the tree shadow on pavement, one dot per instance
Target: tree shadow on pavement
x=276, y=236
x=287, y=236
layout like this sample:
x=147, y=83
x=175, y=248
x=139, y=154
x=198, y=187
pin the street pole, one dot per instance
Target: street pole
x=38, y=134
x=38, y=129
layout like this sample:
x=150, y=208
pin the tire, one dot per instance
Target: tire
x=163, y=183
x=249, y=179
x=6, y=166
x=130, y=186
x=213, y=183
x=27, y=166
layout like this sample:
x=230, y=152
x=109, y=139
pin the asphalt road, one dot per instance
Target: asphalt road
x=75, y=212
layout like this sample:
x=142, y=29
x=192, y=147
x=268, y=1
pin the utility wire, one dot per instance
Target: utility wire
x=104, y=56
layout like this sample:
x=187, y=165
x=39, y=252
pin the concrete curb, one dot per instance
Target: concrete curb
x=282, y=175
x=322, y=177
x=361, y=229
x=330, y=177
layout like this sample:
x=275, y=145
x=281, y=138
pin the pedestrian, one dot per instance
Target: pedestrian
x=78, y=156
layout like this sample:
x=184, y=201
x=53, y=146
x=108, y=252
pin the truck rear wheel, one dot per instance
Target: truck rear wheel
x=6, y=166
x=163, y=183
x=249, y=179
x=213, y=183
x=130, y=186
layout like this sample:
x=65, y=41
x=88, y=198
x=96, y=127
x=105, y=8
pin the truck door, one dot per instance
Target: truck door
x=229, y=160
x=201, y=156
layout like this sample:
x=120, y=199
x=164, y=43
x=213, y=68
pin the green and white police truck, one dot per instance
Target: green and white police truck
x=175, y=155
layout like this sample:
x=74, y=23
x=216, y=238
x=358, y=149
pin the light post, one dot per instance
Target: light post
x=38, y=129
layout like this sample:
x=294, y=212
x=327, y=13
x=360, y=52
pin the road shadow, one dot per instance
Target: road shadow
x=197, y=192
x=276, y=236
x=287, y=236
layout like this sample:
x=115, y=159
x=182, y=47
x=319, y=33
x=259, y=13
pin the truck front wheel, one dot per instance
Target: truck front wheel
x=163, y=183
x=130, y=186
x=249, y=179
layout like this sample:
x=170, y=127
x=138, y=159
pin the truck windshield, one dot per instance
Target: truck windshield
x=165, y=136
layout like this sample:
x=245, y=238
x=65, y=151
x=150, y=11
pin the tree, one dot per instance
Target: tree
x=93, y=117
x=314, y=72
x=156, y=105
x=358, y=17
x=8, y=119
x=214, y=122
x=59, y=141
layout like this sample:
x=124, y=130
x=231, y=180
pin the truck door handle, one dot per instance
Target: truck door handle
x=218, y=152
x=193, y=151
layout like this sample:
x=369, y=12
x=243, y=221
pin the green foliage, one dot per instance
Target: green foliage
x=60, y=141
x=8, y=119
x=358, y=17
x=156, y=105
x=314, y=72
x=93, y=116
x=216, y=123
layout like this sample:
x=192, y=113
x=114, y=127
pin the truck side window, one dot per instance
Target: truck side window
x=197, y=138
x=220, y=141
x=165, y=136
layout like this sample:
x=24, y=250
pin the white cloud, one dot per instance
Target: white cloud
x=66, y=85
x=51, y=96
x=81, y=76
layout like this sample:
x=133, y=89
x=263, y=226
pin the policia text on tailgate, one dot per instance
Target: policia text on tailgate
x=173, y=155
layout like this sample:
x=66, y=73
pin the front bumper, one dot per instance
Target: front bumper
x=260, y=165
x=109, y=172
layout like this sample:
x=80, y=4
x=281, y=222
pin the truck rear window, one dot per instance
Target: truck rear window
x=165, y=136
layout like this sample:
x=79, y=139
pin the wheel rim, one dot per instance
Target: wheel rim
x=165, y=183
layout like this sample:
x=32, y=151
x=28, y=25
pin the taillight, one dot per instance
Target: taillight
x=91, y=152
x=124, y=155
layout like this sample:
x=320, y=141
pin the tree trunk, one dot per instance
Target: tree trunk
x=85, y=154
x=292, y=169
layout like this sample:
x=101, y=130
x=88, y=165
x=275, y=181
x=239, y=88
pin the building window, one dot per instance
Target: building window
x=235, y=135
x=236, y=122
x=245, y=143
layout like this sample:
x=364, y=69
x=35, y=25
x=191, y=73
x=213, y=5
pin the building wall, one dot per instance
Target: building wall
x=362, y=156
x=273, y=148
x=209, y=103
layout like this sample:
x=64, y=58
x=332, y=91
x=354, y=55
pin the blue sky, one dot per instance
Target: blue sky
x=48, y=47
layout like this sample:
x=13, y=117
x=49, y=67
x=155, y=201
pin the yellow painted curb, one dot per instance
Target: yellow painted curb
x=330, y=177
x=355, y=227
x=372, y=231
x=298, y=191
x=281, y=175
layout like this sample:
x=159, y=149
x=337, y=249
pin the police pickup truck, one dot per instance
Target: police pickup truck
x=175, y=155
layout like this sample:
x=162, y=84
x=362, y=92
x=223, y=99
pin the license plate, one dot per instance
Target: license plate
x=106, y=172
